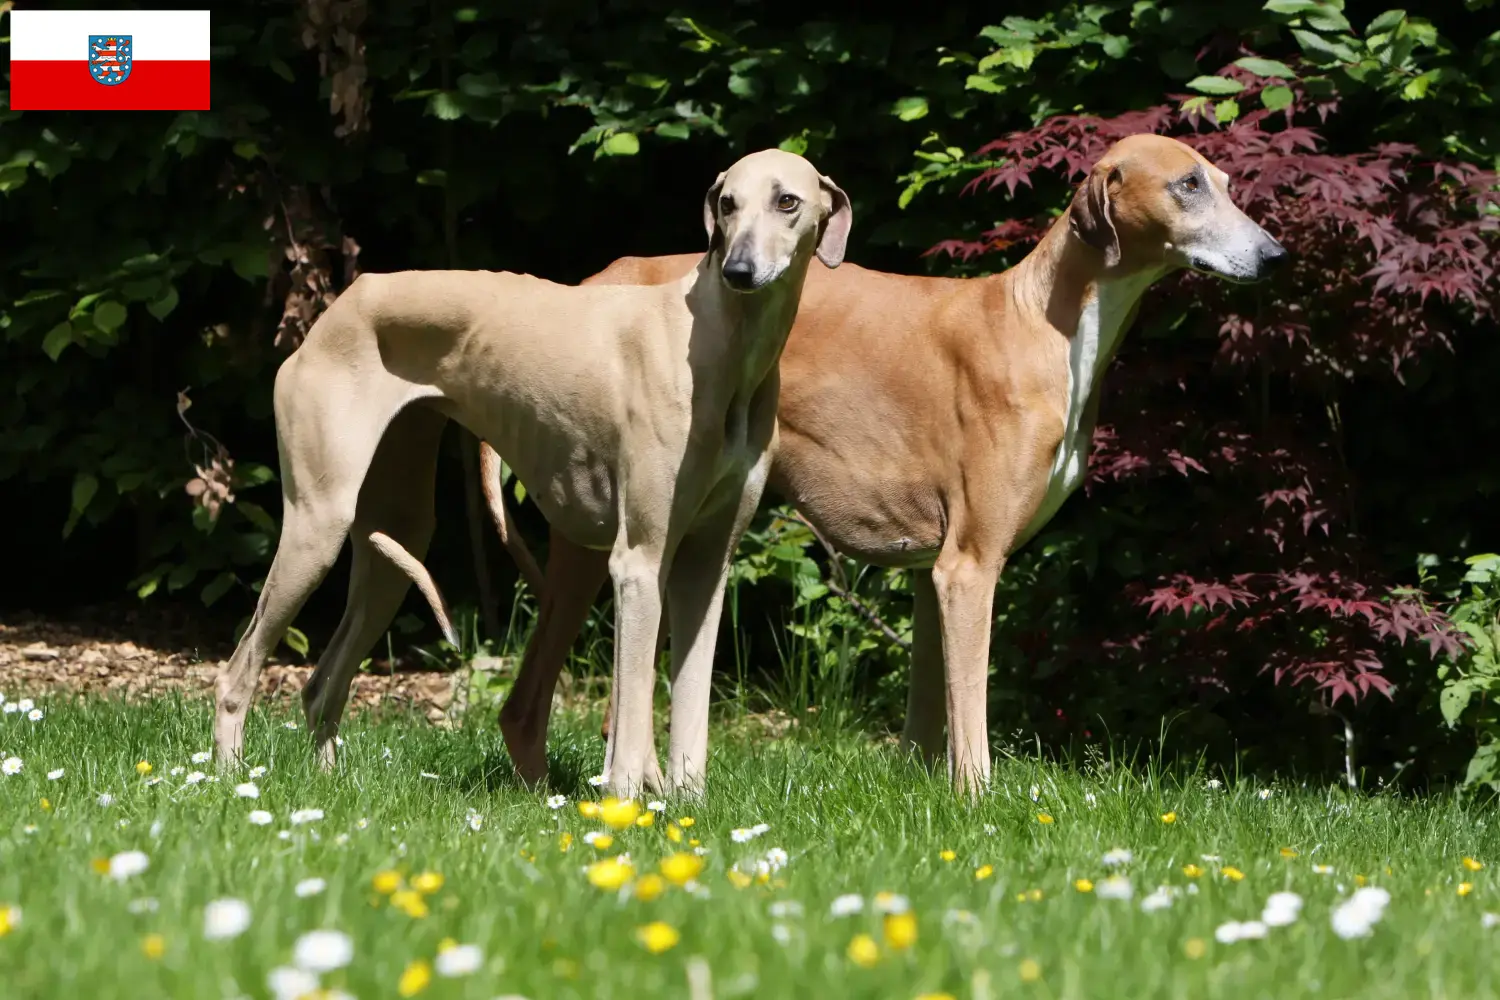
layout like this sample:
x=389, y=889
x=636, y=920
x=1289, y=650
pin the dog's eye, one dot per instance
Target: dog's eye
x=1190, y=182
x=788, y=202
x=726, y=205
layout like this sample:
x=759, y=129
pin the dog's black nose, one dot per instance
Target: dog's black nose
x=739, y=273
x=1272, y=256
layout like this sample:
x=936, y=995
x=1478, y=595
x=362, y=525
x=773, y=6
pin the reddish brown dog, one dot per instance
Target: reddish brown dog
x=939, y=423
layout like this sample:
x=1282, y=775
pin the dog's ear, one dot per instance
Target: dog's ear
x=711, y=214
x=835, y=236
x=1091, y=215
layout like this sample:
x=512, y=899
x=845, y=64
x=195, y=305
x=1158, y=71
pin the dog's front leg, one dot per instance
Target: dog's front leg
x=926, y=703
x=965, y=589
x=630, y=755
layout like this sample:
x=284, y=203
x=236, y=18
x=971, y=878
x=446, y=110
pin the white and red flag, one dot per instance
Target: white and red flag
x=109, y=60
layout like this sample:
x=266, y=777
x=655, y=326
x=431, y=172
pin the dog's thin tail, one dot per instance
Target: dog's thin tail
x=412, y=567
x=494, y=496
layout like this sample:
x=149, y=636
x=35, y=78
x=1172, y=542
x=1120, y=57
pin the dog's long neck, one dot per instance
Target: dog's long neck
x=1065, y=288
x=751, y=328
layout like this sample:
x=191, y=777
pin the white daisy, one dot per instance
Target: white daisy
x=556, y=801
x=1233, y=931
x=225, y=918
x=341, y=839
x=475, y=821
x=290, y=984
x=1489, y=920
x=259, y=817
x=1282, y=908
x=309, y=887
x=656, y=807
x=428, y=774
x=12, y=765
x=776, y=858
x=460, y=960
x=54, y=775
x=176, y=771
x=283, y=835
x=598, y=780
x=128, y=864
x=361, y=823
x=146, y=904
x=258, y=771
x=291, y=724
x=781, y=933
x=322, y=951
x=1036, y=793
x=1212, y=859
x=35, y=715
x=105, y=800
x=1160, y=899
x=29, y=829
x=202, y=757
x=592, y=836
x=1090, y=800
x=890, y=902
x=247, y=790
x=194, y=777
x=1113, y=887
x=1322, y=869
x=1117, y=856
x=784, y=908
x=25, y=705
x=306, y=816
x=153, y=781
x=1264, y=793
x=1358, y=915
x=11, y=708
x=847, y=905
x=1215, y=784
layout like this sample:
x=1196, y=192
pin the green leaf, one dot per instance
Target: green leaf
x=649, y=81
x=1320, y=49
x=445, y=105
x=57, y=339
x=1276, y=98
x=296, y=640
x=909, y=109
x=246, y=149
x=520, y=491
x=1266, y=67
x=109, y=316
x=218, y=586
x=1115, y=46
x=256, y=514
x=82, y=305
x=673, y=130
x=1417, y=88
x=433, y=178
x=1217, y=86
x=1226, y=111
x=1291, y=7
x=1327, y=18
x=1454, y=699
x=983, y=83
x=1388, y=21
x=621, y=144
x=794, y=144
x=148, y=588
x=281, y=69
x=85, y=488
x=163, y=305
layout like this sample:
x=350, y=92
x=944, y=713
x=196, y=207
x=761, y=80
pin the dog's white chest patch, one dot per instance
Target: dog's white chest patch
x=1092, y=346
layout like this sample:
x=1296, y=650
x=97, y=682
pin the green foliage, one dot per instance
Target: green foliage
x=1471, y=682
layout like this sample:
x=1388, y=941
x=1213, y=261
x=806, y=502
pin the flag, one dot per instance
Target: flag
x=109, y=60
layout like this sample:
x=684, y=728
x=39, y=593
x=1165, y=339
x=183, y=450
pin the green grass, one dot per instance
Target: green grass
x=853, y=817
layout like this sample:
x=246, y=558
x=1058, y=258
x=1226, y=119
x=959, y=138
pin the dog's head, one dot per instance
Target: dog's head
x=768, y=210
x=1152, y=201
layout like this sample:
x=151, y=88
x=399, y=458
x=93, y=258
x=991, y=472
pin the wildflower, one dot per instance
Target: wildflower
x=1043, y=818
x=322, y=951
x=657, y=937
x=414, y=979
x=847, y=905
x=737, y=878
x=863, y=951
x=410, y=902
x=598, y=780
x=1358, y=915
x=10, y=919
x=609, y=874
x=289, y=724
x=427, y=883
x=781, y=933
x=475, y=820
x=776, y=858
x=1232, y=873
x=656, y=807
x=11, y=765
x=588, y=809
x=306, y=816
x=645, y=819
x=257, y=772
x=247, y=790
x=291, y=984
x=194, y=777
x=1282, y=908
x=386, y=882
x=935, y=996
x=1083, y=885
x=1169, y=817
x=1036, y=793
x=890, y=902
x=947, y=855
x=1215, y=784
x=1473, y=865
x=47, y=807
x=1360, y=880
x=1160, y=899
x=100, y=866
x=1090, y=800
x=1212, y=859
x=618, y=815
x=1194, y=947
x=1264, y=793
x=458, y=960
x=649, y=887
x=1322, y=869
x=25, y=705
x=1117, y=856
x=783, y=908
x=1288, y=852
x=54, y=775
x=1029, y=970
x=681, y=868
x=225, y=918
x=745, y=835
x=1464, y=888
x=128, y=864
x=1115, y=887
x=309, y=887
x=154, y=946
x=597, y=840
x=983, y=872
x=153, y=782
x=259, y=817
x=565, y=841
x=1233, y=931
x=143, y=767
x=960, y=917
x=900, y=930
x=685, y=821
x=674, y=833
x=202, y=757
x=1489, y=920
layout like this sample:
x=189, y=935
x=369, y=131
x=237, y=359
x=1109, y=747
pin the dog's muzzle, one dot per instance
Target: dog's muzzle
x=739, y=273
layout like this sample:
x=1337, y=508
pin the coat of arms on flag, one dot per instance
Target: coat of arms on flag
x=109, y=58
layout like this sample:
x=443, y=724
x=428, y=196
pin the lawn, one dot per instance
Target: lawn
x=867, y=878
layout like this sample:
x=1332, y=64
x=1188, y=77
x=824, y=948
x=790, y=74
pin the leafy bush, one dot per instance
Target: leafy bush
x=1471, y=676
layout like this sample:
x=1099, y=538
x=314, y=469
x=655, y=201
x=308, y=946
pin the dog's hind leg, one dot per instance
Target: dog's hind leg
x=392, y=528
